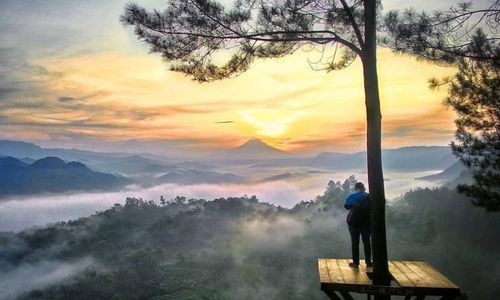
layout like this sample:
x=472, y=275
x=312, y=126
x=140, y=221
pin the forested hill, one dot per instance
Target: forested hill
x=239, y=248
x=52, y=175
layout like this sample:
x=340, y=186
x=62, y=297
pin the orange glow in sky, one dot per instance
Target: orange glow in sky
x=98, y=83
x=282, y=101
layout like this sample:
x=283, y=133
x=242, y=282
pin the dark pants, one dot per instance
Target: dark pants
x=365, y=236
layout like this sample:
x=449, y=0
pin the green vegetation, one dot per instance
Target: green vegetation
x=475, y=97
x=239, y=248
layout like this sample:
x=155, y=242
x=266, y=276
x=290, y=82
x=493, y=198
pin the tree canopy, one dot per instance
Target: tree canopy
x=474, y=94
x=469, y=37
x=445, y=36
x=238, y=248
x=189, y=34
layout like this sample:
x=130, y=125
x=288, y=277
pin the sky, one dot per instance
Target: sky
x=72, y=76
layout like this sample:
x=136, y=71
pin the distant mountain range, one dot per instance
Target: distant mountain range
x=119, y=163
x=418, y=158
x=52, y=175
x=406, y=159
x=254, y=151
x=20, y=149
x=449, y=174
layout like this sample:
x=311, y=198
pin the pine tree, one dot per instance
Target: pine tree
x=189, y=33
x=444, y=36
x=469, y=38
x=474, y=94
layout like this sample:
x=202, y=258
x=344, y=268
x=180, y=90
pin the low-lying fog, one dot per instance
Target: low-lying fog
x=23, y=212
x=30, y=276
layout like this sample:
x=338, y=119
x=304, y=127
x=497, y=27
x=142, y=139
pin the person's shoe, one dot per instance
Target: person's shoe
x=369, y=264
x=353, y=265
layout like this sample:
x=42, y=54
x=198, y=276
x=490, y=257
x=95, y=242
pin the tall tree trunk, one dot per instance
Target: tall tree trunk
x=374, y=149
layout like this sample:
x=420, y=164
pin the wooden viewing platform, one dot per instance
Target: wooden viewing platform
x=412, y=278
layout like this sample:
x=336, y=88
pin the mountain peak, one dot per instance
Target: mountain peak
x=256, y=143
x=49, y=162
x=253, y=149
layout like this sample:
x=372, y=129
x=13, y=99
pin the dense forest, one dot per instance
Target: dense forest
x=239, y=248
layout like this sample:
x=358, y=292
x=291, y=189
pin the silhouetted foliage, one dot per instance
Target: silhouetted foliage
x=474, y=94
x=190, y=33
x=445, y=36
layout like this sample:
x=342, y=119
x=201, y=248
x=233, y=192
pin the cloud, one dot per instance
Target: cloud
x=92, y=111
x=270, y=233
x=431, y=127
x=83, y=75
x=402, y=131
x=312, y=144
x=30, y=276
x=5, y=92
x=26, y=211
x=66, y=99
x=21, y=212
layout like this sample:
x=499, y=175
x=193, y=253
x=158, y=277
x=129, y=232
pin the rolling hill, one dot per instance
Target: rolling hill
x=187, y=177
x=448, y=174
x=52, y=175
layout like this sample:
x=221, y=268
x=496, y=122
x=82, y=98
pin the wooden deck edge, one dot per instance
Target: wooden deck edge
x=390, y=290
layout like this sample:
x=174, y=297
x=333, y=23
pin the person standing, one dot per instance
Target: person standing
x=358, y=220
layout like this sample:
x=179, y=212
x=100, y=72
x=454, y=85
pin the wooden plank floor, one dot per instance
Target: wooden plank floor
x=410, y=276
x=418, y=274
x=338, y=271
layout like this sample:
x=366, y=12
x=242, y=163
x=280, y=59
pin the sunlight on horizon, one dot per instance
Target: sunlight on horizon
x=271, y=123
x=114, y=96
x=96, y=84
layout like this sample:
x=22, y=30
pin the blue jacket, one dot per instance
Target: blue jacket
x=354, y=199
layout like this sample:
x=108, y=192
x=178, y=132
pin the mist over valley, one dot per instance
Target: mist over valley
x=225, y=212
x=273, y=176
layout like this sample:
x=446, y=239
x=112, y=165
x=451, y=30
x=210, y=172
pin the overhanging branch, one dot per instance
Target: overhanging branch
x=353, y=23
x=268, y=36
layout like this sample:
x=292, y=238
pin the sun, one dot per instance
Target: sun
x=271, y=122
